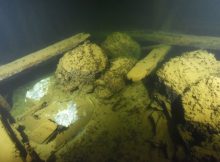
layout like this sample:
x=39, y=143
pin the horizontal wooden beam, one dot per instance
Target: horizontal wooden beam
x=197, y=41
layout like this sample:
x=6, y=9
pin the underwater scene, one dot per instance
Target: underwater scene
x=115, y=100
x=109, y=81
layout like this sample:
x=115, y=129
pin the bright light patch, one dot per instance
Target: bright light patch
x=39, y=90
x=67, y=116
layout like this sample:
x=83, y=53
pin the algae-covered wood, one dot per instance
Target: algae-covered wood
x=145, y=66
x=40, y=56
x=197, y=41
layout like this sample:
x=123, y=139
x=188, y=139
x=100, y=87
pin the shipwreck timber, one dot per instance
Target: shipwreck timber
x=33, y=59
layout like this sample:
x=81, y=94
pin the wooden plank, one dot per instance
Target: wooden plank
x=41, y=56
x=197, y=41
x=44, y=129
x=145, y=66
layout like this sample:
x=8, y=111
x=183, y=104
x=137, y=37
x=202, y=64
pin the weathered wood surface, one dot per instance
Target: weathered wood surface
x=197, y=41
x=145, y=66
x=41, y=56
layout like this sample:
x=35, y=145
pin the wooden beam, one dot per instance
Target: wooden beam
x=197, y=41
x=144, y=67
x=33, y=59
